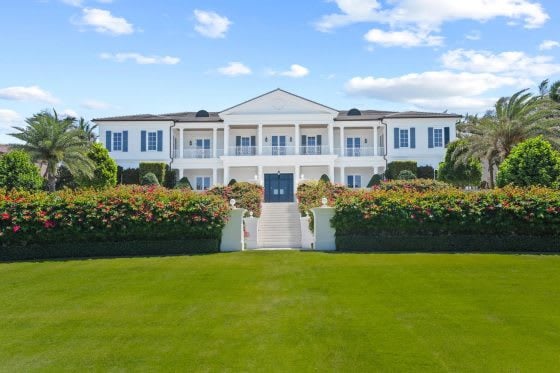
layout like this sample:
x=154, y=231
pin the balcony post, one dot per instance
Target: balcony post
x=214, y=176
x=296, y=177
x=214, y=144
x=298, y=138
x=226, y=143
x=181, y=140
x=375, y=140
x=331, y=137
x=331, y=172
x=342, y=175
x=226, y=175
x=260, y=175
x=342, y=142
x=260, y=139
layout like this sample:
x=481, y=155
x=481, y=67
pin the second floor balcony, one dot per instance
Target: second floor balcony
x=360, y=152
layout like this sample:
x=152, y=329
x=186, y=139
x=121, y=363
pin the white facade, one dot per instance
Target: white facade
x=278, y=133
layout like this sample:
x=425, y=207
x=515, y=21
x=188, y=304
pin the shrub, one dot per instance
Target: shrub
x=416, y=185
x=124, y=213
x=149, y=179
x=310, y=193
x=425, y=172
x=247, y=195
x=156, y=168
x=64, y=179
x=394, y=168
x=325, y=179
x=509, y=211
x=170, y=178
x=375, y=180
x=128, y=176
x=456, y=173
x=232, y=182
x=18, y=171
x=531, y=162
x=184, y=183
x=105, y=171
x=406, y=175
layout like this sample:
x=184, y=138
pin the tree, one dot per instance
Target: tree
x=149, y=179
x=532, y=162
x=87, y=129
x=554, y=93
x=105, y=172
x=17, y=171
x=513, y=120
x=54, y=142
x=458, y=173
x=406, y=175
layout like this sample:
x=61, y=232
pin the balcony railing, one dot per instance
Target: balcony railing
x=278, y=150
x=243, y=150
x=314, y=150
x=360, y=152
x=198, y=153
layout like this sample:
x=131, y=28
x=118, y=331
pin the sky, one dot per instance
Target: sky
x=96, y=58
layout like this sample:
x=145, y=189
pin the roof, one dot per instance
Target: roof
x=190, y=116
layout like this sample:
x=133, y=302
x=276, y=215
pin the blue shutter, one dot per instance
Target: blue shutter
x=319, y=143
x=237, y=140
x=446, y=135
x=303, y=144
x=396, y=135
x=253, y=141
x=412, y=137
x=160, y=141
x=142, y=141
x=430, y=137
x=125, y=141
x=108, y=139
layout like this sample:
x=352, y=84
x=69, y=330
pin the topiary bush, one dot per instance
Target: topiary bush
x=17, y=171
x=184, y=183
x=425, y=172
x=531, y=162
x=105, y=171
x=247, y=195
x=406, y=175
x=232, y=182
x=325, y=179
x=170, y=178
x=394, y=168
x=375, y=180
x=149, y=179
x=156, y=168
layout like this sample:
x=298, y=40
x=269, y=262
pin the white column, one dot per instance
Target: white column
x=342, y=175
x=296, y=177
x=331, y=138
x=261, y=175
x=226, y=175
x=298, y=137
x=181, y=143
x=342, y=142
x=331, y=172
x=375, y=140
x=226, y=143
x=214, y=144
x=260, y=139
x=214, y=176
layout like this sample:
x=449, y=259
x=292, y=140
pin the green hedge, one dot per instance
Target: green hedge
x=109, y=249
x=247, y=195
x=128, y=176
x=124, y=213
x=156, y=168
x=418, y=185
x=394, y=168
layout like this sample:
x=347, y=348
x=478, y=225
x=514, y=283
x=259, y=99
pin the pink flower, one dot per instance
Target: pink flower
x=49, y=224
x=16, y=228
x=5, y=216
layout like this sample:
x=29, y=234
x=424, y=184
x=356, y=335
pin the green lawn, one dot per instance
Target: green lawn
x=283, y=311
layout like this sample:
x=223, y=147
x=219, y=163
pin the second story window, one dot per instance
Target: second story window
x=152, y=141
x=438, y=137
x=117, y=141
x=403, y=138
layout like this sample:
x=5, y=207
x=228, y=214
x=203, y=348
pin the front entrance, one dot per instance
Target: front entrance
x=279, y=187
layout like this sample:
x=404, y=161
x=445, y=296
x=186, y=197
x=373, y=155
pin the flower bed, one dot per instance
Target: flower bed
x=248, y=196
x=122, y=214
x=507, y=212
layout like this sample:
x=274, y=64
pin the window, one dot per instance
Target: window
x=117, y=141
x=152, y=141
x=202, y=182
x=353, y=145
x=203, y=148
x=354, y=181
x=278, y=145
x=403, y=138
x=438, y=137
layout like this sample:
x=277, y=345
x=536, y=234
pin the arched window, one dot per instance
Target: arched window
x=202, y=114
x=354, y=111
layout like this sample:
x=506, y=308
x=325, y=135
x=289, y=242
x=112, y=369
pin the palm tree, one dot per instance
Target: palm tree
x=513, y=120
x=554, y=92
x=88, y=129
x=54, y=142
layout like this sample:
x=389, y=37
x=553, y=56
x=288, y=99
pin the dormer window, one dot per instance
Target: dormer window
x=354, y=112
x=202, y=114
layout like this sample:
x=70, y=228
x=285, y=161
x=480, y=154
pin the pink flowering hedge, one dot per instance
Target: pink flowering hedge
x=125, y=213
x=500, y=212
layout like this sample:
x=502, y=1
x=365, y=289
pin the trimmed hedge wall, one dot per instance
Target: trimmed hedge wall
x=124, y=213
x=508, y=211
x=394, y=168
x=128, y=176
x=156, y=168
x=109, y=249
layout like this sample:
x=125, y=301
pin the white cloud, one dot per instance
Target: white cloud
x=32, y=93
x=295, y=71
x=431, y=14
x=104, y=22
x=211, y=24
x=234, y=69
x=141, y=59
x=70, y=113
x=8, y=118
x=511, y=63
x=96, y=105
x=548, y=44
x=434, y=89
x=402, y=38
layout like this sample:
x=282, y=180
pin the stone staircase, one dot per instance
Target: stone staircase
x=279, y=226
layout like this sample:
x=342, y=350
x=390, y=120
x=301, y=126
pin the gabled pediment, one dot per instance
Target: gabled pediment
x=278, y=102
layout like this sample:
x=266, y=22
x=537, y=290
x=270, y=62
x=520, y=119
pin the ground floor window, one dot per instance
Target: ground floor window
x=354, y=181
x=202, y=182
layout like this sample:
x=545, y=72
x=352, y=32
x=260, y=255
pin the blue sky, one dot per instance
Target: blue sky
x=95, y=58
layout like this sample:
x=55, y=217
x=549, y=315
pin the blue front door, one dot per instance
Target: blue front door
x=279, y=187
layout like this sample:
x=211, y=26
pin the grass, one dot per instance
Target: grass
x=283, y=311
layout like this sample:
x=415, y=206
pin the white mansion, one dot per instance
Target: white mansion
x=278, y=139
